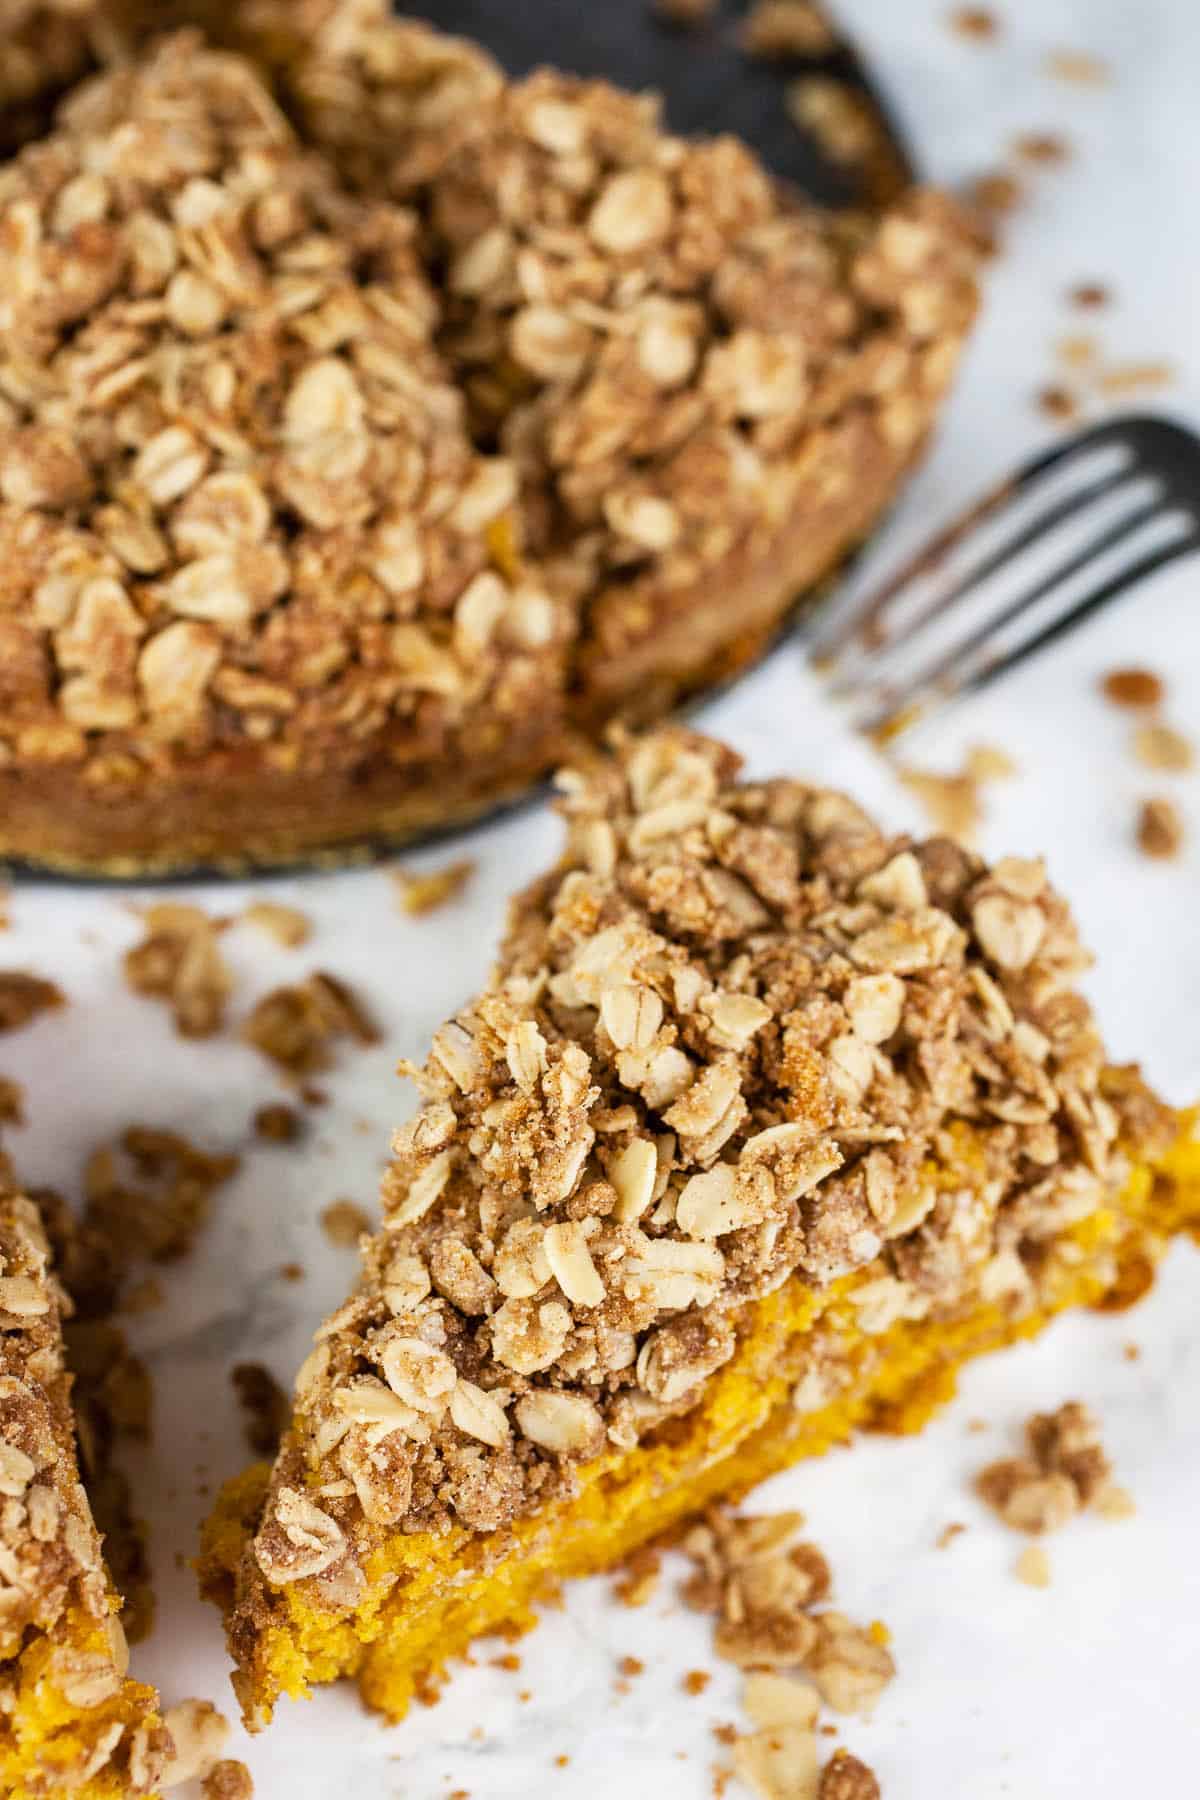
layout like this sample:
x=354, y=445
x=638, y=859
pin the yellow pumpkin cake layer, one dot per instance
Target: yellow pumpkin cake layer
x=71, y=1722
x=764, y=1124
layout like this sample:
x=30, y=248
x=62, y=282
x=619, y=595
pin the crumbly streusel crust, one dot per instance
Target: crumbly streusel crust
x=733, y=1039
x=263, y=590
x=56, y=1604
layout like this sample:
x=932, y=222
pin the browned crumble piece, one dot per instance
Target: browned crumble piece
x=12, y=1101
x=344, y=1223
x=144, y=1296
x=229, y=1781
x=1065, y=1471
x=639, y=1578
x=998, y=191
x=179, y=961
x=425, y=893
x=1089, y=295
x=1068, y=1441
x=264, y=1403
x=846, y=1778
x=779, y=1762
x=631, y=1667
x=835, y=114
x=1135, y=378
x=295, y=1026
x=1160, y=829
x=1080, y=67
x=291, y=1271
x=849, y=1664
x=277, y=1123
x=1025, y=1496
x=158, y=1214
x=1159, y=746
x=1033, y=1567
x=685, y=12
x=951, y=802
x=1135, y=688
x=1057, y=403
x=948, y=1534
x=1041, y=147
x=23, y=996
x=1076, y=351
x=287, y=925
x=779, y=29
x=976, y=22
x=696, y=1681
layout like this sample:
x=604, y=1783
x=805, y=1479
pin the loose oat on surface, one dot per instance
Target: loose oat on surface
x=425, y=893
x=779, y=29
x=179, y=960
x=1160, y=828
x=1161, y=747
x=24, y=995
x=1137, y=688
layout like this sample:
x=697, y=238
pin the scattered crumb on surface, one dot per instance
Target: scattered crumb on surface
x=198, y=1734
x=12, y=1101
x=779, y=29
x=425, y=893
x=287, y=925
x=228, y=1781
x=835, y=114
x=988, y=762
x=179, y=961
x=976, y=22
x=1160, y=828
x=1033, y=1567
x=1089, y=295
x=846, y=1778
x=685, y=12
x=1135, y=378
x=1077, y=351
x=295, y=1026
x=291, y=1271
x=510, y=1661
x=277, y=1123
x=344, y=1222
x=1063, y=1472
x=695, y=1681
x=149, y=1195
x=143, y=1297
x=1133, y=688
x=264, y=1404
x=638, y=1578
x=24, y=995
x=1057, y=403
x=1114, y=1502
x=1041, y=147
x=631, y=1667
x=1079, y=67
x=1160, y=746
x=948, y=1533
x=1131, y=1352
x=996, y=191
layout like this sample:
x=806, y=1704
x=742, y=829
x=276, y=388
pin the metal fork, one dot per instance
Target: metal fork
x=930, y=635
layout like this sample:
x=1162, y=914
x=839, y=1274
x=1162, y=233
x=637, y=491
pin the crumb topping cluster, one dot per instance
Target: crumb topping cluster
x=304, y=445
x=52, y=1578
x=738, y=1035
x=237, y=501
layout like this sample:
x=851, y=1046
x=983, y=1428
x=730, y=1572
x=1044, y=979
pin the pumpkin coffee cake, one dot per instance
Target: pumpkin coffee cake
x=332, y=508
x=71, y=1721
x=764, y=1123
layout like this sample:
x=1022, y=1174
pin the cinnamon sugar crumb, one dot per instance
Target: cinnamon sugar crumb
x=1041, y=147
x=1064, y=1471
x=631, y=1667
x=23, y=996
x=1057, y=403
x=1089, y=295
x=695, y=1681
x=846, y=1778
x=1160, y=829
x=1135, y=688
x=996, y=191
x=421, y=894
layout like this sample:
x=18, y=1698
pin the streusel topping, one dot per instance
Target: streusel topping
x=51, y=1574
x=738, y=1035
x=237, y=503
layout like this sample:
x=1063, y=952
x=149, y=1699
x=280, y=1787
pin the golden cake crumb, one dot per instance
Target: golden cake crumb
x=425, y=893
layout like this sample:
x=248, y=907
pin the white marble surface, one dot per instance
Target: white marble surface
x=1085, y=1690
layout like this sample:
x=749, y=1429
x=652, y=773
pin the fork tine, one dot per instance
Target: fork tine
x=1023, y=539
x=954, y=678
x=863, y=622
